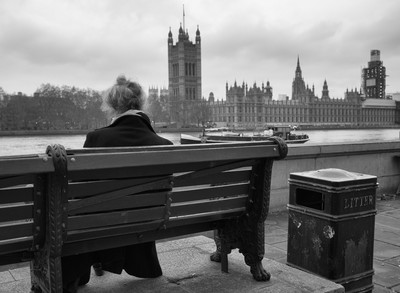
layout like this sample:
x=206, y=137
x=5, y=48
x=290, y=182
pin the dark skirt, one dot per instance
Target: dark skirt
x=139, y=260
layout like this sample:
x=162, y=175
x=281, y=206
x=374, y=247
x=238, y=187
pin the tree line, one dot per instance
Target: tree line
x=71, y=108
x=184, y=113
x=53, y=108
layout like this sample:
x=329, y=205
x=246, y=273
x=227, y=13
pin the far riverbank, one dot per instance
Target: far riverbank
x=184, y=130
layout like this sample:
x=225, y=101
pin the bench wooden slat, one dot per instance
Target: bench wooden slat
x=128, y=202
x=96, y=233
x=157, y=184
x=20, y=246
x=102, y=150
x=17, y=194
x=115, y=218
x=10, y=181
x=10, y=213
x=35, y=164
x=143, y=171
x=89, y=188
x=15, y=230
x=220, y=178
x=209, y=192
x=214, y=169
x=173, y=156
x=133, y=238
x=15, y=257
x=198, y=207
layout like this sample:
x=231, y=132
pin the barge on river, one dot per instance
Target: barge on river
x=217, y=135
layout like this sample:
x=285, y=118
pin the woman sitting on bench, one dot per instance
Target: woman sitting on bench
x=129, y=127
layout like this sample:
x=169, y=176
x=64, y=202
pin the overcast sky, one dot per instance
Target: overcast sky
x=88, y=43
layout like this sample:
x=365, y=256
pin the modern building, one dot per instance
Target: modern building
x=374, y=77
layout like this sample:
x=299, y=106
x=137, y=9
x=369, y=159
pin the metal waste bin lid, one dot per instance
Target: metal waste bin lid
x=332, y=177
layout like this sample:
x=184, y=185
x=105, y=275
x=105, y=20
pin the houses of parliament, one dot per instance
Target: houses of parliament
x=252, y=106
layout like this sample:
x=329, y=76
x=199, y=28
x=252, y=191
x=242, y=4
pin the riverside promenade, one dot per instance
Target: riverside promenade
x=187, y=268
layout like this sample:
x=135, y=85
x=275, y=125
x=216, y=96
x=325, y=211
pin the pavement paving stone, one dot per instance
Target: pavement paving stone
x=270, y=222
x=393, y=213
x=394, y=261
x=6, y=277
x=181, y=243
x=282, y=260
x=280, y=218
x=281, y=245
x=388, y=205
x=21, y=273
x=384, y=206
x=387, y=219
x=380, y=289
x=22, y=286
x=386, y=275
x=273, y=230
x=384, y=251
x=396, y=289
x=274, y=253
x=272, y=239
x=388, y=234
x=112, y=283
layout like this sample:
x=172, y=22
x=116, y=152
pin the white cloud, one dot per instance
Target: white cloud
x=87, y=43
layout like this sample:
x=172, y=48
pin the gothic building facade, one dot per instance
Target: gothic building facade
x=184, y=76
x=184, y=66
x=253, y=107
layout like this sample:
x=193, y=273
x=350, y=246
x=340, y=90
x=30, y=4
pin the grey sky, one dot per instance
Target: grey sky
x=87, y=43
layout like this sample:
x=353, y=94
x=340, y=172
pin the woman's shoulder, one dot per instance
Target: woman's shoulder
x=93, y=137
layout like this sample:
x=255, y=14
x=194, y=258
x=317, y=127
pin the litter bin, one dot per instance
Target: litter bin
x=331, y=226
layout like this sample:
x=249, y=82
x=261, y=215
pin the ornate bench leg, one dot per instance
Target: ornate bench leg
x=46, y=274
x=252, y=224
x=253, y=251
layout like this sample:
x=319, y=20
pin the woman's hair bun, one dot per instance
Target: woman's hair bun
x=121, y=80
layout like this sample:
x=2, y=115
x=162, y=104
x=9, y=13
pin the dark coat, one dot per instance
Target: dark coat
x=129, y=130
x=141, y=259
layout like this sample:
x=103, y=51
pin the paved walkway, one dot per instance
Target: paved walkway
x=15, y=278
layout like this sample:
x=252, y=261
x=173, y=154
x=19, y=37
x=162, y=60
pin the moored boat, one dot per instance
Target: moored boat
x=228, y=135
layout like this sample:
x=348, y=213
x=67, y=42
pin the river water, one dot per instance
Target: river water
x=17, y=145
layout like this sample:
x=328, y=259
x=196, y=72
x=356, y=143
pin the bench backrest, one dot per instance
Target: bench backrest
x=118, y=194
x=107, y=197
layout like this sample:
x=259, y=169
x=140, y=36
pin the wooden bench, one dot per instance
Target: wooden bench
x=69, y=202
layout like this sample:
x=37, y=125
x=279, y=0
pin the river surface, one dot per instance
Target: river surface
x=16, y=145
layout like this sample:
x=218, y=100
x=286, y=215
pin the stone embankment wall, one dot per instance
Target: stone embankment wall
x=381, y=159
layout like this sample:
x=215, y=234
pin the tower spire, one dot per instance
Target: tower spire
x=183, y=17
x=298, y=69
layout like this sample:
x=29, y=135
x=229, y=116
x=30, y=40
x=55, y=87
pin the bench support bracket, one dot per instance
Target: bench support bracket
x=46, y=274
